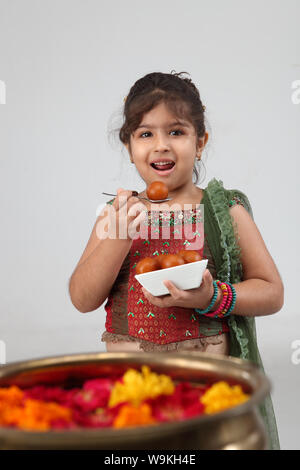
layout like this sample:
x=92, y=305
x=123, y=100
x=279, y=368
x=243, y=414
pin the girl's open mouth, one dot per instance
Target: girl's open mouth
x=163, y=169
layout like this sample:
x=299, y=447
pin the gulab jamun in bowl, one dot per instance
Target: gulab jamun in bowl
x=185, y=269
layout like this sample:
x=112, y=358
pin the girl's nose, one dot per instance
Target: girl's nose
x=161, y=143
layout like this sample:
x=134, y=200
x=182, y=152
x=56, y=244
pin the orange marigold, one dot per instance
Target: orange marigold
x=129, y=415
x=11, y=395
x=29, y=414
x=37, y=415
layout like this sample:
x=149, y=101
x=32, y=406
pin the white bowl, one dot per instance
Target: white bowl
x=185, y=276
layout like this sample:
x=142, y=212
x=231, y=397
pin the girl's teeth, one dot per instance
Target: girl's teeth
x=163, y=166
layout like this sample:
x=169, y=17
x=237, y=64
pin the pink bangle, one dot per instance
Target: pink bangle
x=228, y=303
x=224, y=303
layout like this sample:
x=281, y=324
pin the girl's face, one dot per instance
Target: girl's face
x=161, y=137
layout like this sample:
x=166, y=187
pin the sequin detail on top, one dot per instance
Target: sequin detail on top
x=172, y=218
x=162, y=233
x=234, y=201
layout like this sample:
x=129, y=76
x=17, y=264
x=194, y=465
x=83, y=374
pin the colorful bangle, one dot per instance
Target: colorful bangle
x=213, y=300
x=224, y=312
x=233, y=299
x=231, y=302
x=226, y=301
x=227, y=304
x=225, y=290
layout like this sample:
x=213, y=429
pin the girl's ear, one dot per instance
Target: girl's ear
x=202, y=142
x=206, y=137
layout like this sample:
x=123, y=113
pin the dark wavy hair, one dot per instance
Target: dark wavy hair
x=179, y=94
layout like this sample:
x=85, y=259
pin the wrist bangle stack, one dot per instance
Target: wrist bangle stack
x=213, y=300
x=227, y=303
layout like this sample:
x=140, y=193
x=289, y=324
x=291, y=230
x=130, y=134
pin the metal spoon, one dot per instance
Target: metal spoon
x=145, y=198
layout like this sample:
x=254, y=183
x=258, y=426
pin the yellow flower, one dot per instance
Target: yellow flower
x=222, y=396
x=139, y=386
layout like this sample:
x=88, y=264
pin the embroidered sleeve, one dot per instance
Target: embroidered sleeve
x=234, y=197
x=235, y=200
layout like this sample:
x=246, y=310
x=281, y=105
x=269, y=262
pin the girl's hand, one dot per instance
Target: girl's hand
x=126, y=215
x=192, y=298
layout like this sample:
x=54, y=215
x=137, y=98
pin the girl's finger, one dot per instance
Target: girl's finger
x=207, y=277
x=165, y=301
x=135, y=226
x=122, y=198
x=116, y=203
x=135, y=207
x=174, y=291
x=151, y=298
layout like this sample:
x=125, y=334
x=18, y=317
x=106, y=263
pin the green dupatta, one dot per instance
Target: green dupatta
x=221, y=233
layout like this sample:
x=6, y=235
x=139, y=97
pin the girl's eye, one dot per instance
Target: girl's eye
x=175, y=130
x=144, y=133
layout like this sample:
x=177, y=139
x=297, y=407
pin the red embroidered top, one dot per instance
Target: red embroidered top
x=130, y=314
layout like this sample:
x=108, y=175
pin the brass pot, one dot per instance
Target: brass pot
x=239, y=428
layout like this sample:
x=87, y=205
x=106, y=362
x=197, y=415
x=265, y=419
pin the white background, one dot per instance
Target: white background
x=67, y=65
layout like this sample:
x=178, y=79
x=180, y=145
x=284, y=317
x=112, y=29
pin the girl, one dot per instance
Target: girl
x=164, y=133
